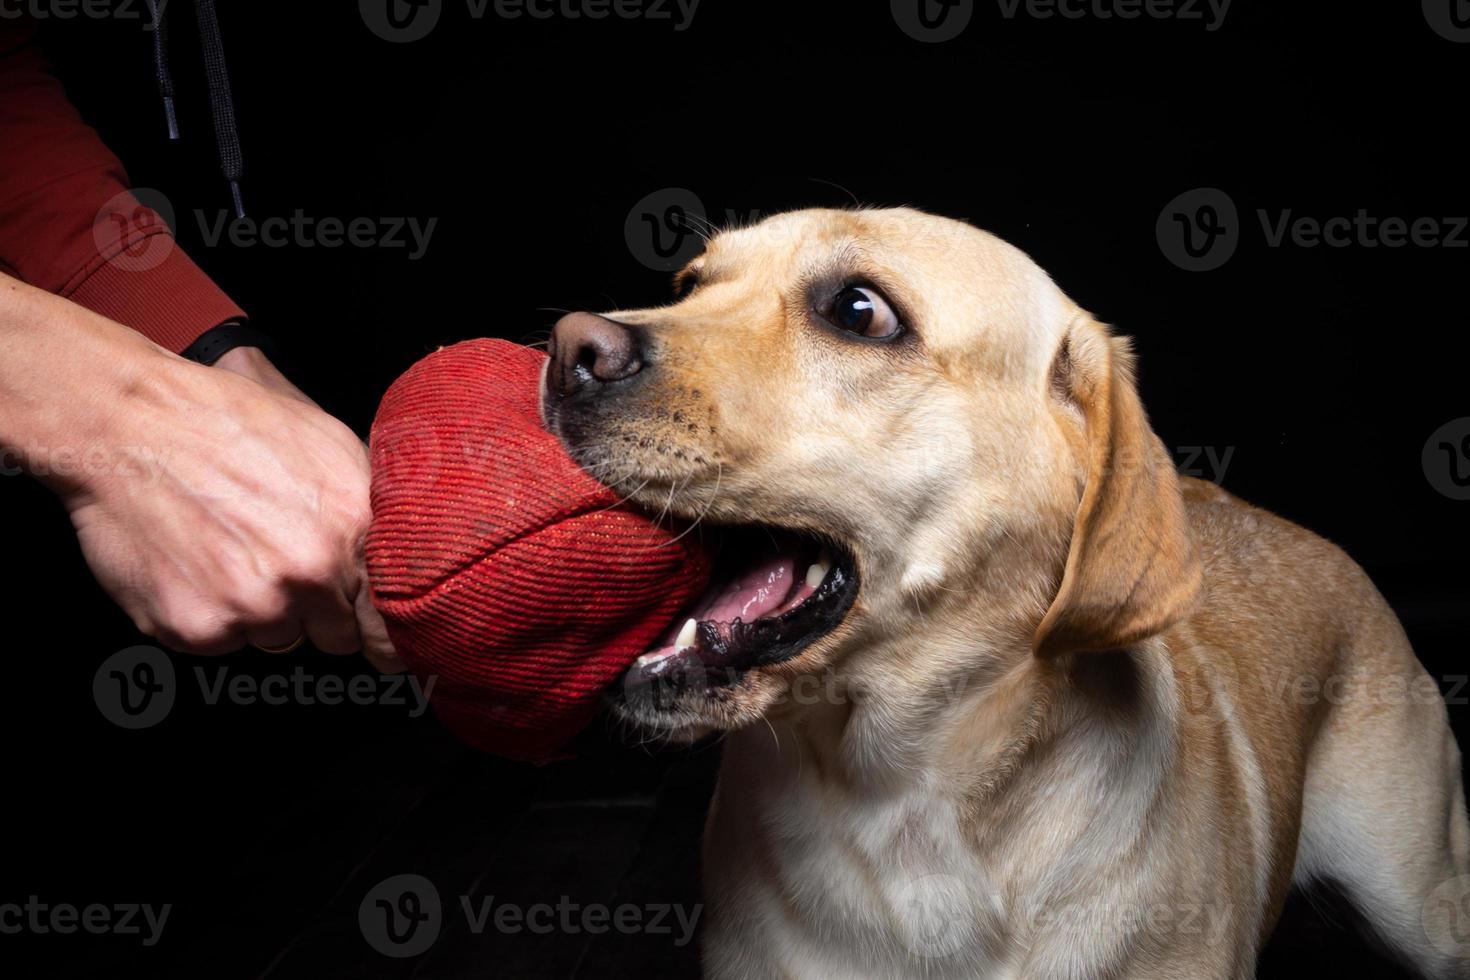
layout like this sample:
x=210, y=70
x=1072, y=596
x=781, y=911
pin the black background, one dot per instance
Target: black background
x=1323, y=371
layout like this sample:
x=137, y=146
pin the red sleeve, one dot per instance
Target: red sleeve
x=70, y=225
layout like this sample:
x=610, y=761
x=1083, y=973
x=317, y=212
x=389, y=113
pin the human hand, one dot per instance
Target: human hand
x=241, y=520
x=215, y=511
x=251, y=362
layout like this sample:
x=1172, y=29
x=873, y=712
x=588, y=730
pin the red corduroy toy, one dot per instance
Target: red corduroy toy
x=504, y=571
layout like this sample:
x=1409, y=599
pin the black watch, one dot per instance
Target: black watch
x=214, y=343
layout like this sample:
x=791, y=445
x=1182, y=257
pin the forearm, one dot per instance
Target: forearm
x=70, y=225
x=65, y=376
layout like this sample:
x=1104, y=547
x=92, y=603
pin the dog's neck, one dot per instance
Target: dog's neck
x=924, y=787
x=883, y=729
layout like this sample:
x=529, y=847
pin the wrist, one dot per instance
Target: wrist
x=218, y=342
x=255, y=364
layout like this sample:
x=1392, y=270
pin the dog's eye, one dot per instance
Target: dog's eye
x=864, y=311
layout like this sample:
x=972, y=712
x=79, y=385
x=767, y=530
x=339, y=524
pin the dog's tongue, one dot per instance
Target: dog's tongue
x=769, y=586
x=751, y=594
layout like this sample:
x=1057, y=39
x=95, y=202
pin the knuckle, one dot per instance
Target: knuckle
x=262, y=606
x=315, y=566
x=192, y=624
x=200, y=634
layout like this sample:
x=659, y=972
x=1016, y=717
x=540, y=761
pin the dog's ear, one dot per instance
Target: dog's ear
x=1131, y=567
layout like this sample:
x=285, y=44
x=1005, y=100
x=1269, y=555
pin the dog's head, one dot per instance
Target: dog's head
x=915, y=452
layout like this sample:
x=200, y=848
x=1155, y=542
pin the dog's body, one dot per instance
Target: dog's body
x=1084, y=718
x=1146, y=824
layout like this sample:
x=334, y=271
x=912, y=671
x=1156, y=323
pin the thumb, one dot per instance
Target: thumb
x=376, y=645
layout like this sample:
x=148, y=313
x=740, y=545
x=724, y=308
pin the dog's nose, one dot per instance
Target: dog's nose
x=588, y=350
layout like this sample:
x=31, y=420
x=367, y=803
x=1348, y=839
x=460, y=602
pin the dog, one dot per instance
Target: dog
x=1005, y=695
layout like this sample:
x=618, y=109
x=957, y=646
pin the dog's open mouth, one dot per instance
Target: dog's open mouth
x=773, y=593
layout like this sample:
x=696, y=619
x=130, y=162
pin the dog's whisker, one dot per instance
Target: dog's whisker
x=668, y=506
x=600, y=470
x=621, y=498
x=832, y=183
x=701, y=226
x=719, y=474
x=774, y=737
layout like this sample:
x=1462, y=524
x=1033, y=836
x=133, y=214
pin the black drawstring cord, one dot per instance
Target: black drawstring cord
x=160, y=65
x=221, y=103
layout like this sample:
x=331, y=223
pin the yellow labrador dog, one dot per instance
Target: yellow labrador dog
x=1005, y=695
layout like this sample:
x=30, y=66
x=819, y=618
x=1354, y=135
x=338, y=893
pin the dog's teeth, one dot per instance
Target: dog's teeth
x=688, y=635
x=816, y=573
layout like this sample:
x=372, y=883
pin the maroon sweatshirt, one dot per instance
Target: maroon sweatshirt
x=70, y=225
